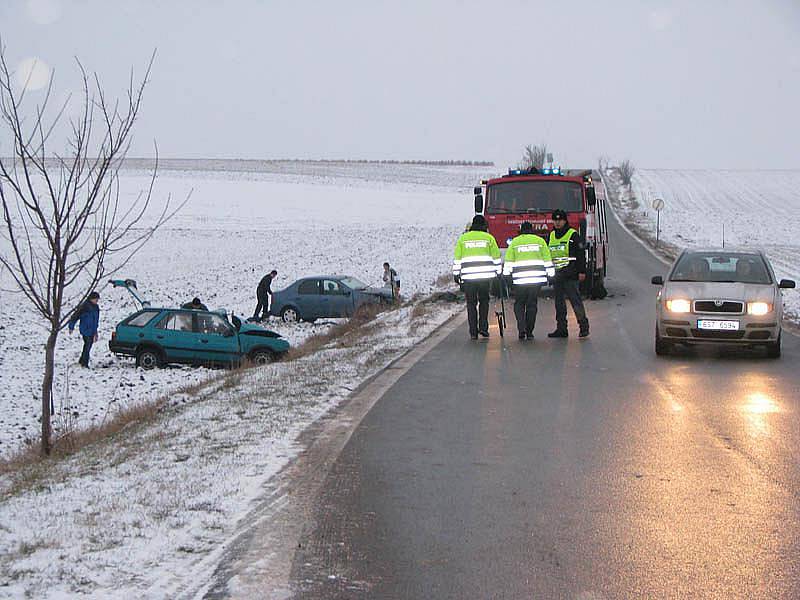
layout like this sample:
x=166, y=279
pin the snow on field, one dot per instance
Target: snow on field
x=759, y=209
x=299, y=218
x=132, y=518
x=129, y=518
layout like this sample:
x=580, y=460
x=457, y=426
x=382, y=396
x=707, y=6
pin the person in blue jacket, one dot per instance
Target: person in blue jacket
x=89, y=316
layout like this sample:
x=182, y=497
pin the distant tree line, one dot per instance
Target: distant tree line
x=167, y=163
x=460, y=163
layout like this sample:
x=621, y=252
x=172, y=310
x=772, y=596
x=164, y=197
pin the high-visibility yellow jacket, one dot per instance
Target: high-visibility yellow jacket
x=528, y=260
x=559, y=248
x=476, y=256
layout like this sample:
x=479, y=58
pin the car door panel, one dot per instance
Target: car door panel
x=175, y=336
x=308, y=299
x=338, y=297
x=216, y=339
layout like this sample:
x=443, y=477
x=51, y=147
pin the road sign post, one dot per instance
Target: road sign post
x=658, y=204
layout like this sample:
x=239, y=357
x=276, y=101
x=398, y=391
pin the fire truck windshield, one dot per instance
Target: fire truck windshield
x=534, y=196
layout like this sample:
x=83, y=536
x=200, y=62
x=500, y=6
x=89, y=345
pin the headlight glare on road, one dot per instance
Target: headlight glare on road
x=758, y=308
x=679, y=305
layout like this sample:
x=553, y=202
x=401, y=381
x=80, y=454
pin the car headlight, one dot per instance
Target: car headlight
x=679, y=305
x=758, y=308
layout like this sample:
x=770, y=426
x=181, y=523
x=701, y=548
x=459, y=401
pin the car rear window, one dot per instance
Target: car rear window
x=141, y=319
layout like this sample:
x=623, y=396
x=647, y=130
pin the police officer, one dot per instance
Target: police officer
x=476, y=262
x=569, y=259
x=528, y=262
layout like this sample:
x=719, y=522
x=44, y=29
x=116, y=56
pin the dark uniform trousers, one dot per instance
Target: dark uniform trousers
x=568, y=289
x=262, y=306
x=526, y=305
x=477, y=293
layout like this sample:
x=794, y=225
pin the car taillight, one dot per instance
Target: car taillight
x=113, y=335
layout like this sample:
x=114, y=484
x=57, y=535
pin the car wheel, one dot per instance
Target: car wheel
x=262, y=357
x=148, y=359
x=290, y=314
x=662, y=347
x=774, y=348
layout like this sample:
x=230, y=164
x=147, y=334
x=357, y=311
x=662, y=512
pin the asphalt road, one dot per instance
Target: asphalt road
x=569, y=469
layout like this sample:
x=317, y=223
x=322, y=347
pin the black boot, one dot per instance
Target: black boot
x=558, y=333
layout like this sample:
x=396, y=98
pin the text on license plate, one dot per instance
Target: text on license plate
x=719, y=325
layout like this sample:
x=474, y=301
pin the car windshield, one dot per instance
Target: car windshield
x=534, y=196
x=721, y=267
x=353, y=283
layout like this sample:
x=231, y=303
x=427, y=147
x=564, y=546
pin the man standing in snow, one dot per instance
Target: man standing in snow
x=391, y=280
x=263, y=292
x=89, y=316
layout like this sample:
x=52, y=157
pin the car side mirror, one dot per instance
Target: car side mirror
x=657, y=280
x=786, y=284
x=478, y=203
x=228, y=333
x=591, y=198
x=346, y=292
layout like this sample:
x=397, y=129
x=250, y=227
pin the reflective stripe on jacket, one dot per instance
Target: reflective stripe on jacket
x=476, y=256
x=559, y=248
x=528, y=260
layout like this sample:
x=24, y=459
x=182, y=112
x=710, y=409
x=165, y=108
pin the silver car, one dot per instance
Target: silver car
x=720, y=297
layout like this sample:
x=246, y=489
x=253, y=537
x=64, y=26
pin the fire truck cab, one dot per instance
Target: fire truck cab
x=533, y=194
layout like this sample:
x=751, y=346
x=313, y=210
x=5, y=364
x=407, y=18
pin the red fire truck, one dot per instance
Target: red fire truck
x=533, y=194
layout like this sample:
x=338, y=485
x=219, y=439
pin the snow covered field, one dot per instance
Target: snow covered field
x=130, y=518
x=759, y=209
x=300, y=218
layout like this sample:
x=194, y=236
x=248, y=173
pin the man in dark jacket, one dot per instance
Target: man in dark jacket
x=89, y=316
x=195, y=304
x=263, y=292
x=569, y=258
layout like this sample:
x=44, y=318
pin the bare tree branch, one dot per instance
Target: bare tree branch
x=65, y=226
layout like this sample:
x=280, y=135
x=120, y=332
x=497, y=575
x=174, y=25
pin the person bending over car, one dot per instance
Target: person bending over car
x=195, y=304
x=263, y=292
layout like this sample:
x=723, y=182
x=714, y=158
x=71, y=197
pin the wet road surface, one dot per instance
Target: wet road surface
x=569, y=469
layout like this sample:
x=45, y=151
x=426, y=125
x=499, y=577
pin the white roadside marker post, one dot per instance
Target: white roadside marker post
x=658, y=204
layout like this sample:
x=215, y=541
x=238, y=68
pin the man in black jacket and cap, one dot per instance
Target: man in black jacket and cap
x=263, y=292
x=569, y=258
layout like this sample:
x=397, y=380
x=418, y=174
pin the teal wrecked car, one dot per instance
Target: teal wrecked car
x=159, y=336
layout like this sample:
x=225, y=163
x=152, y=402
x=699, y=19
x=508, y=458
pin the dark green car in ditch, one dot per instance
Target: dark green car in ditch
x=159, y=336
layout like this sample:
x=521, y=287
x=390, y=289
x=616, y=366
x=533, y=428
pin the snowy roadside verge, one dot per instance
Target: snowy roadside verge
x=698, y=205
x=119, y=517
x=627, y=209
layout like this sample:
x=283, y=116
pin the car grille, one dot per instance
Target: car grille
x=717, y=335
x=711, y=306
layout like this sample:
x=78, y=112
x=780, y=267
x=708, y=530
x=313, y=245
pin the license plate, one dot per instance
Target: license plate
x=718, y=325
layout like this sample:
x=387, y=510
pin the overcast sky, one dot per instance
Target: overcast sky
x=667, y=84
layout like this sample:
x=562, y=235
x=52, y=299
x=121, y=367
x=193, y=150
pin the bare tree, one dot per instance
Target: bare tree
x=534, y=156
x=65, y=226
x=626, y=171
